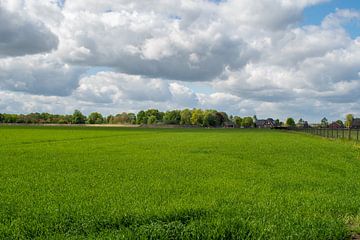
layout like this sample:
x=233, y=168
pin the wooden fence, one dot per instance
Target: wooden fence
x=344, y=133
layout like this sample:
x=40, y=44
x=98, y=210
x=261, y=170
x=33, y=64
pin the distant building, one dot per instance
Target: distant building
x=356, y=123
x=305, y=124
x=229, y=125
x=335, y=125
x=265, y=123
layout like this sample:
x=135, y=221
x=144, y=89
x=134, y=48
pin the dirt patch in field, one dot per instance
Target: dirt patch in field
x=353, y=224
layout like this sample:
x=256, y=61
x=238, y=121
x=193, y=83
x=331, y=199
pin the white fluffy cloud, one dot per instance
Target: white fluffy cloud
x=255, y=55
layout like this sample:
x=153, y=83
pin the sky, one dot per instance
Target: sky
x=279, y=58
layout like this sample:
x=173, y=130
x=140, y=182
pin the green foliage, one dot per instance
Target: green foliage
x=290, y=122
x=324, y=122
x=197, y=117
x=152, y=119
x=172, y=117
x=185, y=116
x=278, y=123
x=349, y=120
x=210, y=119
x=78, y=117
x=238, y=121
x=255, y=118
x=221, y=118
x=86, y=183
x=156, y=113
x=247, y=122
x=340, y=122
x=141, y=118
x=95, y=118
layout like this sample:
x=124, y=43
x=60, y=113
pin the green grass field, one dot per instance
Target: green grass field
x=83, y=183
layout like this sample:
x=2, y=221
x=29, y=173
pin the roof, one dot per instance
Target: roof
x=335, y=125
x=262, y=122
x=356, y=122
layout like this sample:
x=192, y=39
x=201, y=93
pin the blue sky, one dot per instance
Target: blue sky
x=315, y=14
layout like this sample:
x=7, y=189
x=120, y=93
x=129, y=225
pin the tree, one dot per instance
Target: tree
x=185, y=116
x=78, y=117
x=290, y=122
x=301, y=121
x=197, y=117
x=340, y=123
x=255, y=118
x=247, y=122
x=132, y=118
x=277, y=122
x=141, y=118
x=324, y=122
x=172, y=117
x=154, y=112
x=152, y=119
x=122, y=118
x=95, y=118
x=210, y=119
x=349, y=120
x=221, y=118
x=238, y=121
x=1, y=118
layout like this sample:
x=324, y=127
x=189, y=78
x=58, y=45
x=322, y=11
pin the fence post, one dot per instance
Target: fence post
x=343, y=133
x=349, y=137
x=357, y=134
x=332, y=133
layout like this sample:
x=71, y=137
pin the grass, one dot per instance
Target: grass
x=96, y=183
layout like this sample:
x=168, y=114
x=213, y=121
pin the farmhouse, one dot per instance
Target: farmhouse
x=356, y=123
x=229, y=125
x=335, y=125
x=304, y=124
x=265, y=123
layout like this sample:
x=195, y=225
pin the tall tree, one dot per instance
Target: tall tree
x=248, y=122
x=132, y=118
x=197, y=117
x=78, y=117
x=152, y=119
x=238, y=121
x=277, y=122
x=221, y=118
x=141, y=117
x=324, y=122
x=349, y=120
x=172, y=117
x=185, y=116
x=95, y=118
x=290, y=122
x=210, y=119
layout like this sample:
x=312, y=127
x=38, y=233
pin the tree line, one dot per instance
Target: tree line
x=190, y=117
x=195, y=117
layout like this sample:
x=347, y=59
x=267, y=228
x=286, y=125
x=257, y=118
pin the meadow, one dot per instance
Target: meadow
x=118, y=183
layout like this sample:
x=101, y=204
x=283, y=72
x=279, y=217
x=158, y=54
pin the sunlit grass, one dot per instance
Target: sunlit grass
x=176, y=184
